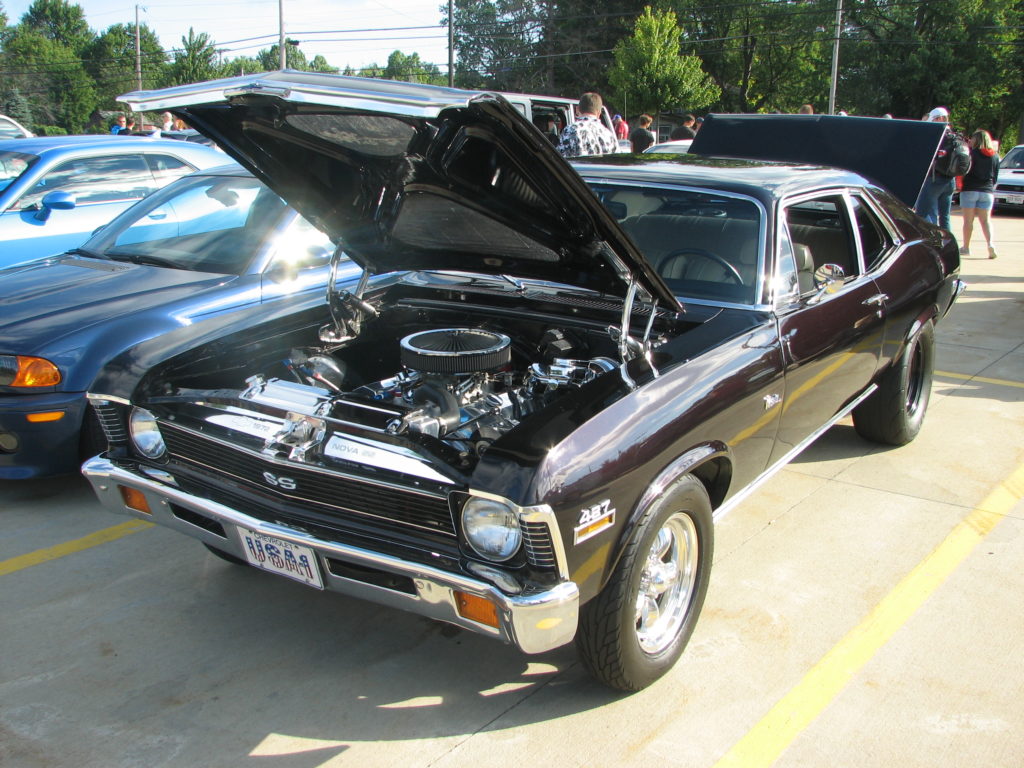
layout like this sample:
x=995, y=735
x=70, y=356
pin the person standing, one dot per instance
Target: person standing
x=684, y=131
x=168, y=122
x=587, y=135
x=977, y=194
x=641, y=138
x=120, y=122
x=936, y=196
x=621, y=127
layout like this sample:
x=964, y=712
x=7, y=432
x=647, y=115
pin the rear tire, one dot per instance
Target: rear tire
x=895, y=412
x=637, y=627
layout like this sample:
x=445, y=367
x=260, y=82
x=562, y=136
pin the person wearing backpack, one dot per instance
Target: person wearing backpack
x=936, y=197
x=977, y=194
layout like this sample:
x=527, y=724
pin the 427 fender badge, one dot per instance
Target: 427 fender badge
x=593, y=520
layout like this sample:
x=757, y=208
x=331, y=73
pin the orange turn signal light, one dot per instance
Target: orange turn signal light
x=35, y=372
x=37, y=418
x=478, y=609
x=134, y=499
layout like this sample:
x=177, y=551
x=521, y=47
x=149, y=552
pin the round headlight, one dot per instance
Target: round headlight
x=491, y=528
x=146, y=434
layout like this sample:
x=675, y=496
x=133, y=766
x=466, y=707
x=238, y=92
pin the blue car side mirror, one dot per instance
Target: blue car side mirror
x=55, y=201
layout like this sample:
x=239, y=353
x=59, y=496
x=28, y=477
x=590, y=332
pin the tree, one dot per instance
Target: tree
x=196, y=62
x=59, y=21
x=270, y=59
x=958, y=53
x=319, y=64
x=110, y=60
x=52, y=78
x=411, y=69
x=14, y=104
x=651, y=74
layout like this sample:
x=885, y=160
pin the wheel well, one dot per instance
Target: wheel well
x=716, y=476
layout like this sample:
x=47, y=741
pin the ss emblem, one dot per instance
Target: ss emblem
x=286, y=483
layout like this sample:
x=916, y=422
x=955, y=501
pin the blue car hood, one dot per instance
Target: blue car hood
x=45, y=302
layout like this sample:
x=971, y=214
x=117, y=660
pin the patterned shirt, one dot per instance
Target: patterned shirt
x=587, y=136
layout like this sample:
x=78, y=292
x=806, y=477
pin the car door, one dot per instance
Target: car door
x=101, y=187
x=832, y=341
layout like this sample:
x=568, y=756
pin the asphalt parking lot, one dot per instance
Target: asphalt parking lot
x=864, y=610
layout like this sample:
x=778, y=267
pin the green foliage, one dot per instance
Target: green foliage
x=57, y=86
x=110, y=60
x=14, y=104
x=196, y=62
x=50, y=130
x=270, y=59
x=59, y=21
x=410, y=69
x=652, y=75
x=319, y=64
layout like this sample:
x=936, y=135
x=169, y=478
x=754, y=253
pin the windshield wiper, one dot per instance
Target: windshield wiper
x=87, y=253
x=145, y=258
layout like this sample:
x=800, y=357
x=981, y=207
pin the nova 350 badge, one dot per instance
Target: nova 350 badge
x=593, y=520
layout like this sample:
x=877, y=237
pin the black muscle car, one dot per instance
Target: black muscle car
x=552, y=378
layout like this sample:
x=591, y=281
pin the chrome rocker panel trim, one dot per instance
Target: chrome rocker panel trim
x=534, y=623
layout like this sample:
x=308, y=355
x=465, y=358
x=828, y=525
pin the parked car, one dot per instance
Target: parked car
x=675, y=147
x=1010, y=184
x=55, y=191
x=12, y=129
x=179, y=265
x=529, y=432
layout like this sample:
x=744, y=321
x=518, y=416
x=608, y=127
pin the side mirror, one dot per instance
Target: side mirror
x=828, y=278
x=55, y=201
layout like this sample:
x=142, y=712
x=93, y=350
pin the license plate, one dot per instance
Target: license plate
x=1014, y=199
x=281, y=557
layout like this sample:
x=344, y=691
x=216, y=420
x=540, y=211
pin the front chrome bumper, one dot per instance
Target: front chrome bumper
x=535, y=622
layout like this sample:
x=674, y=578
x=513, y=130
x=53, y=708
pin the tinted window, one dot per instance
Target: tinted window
x=166, y=168
x=9, y=130
x=1014, y=159
x=208, y=224
x=705, y=245
x=12, y=165
x=93, y=180
x=821, y=234
x=872, y=242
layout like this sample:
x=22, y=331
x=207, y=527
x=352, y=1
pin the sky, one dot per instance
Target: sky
x=353, y=33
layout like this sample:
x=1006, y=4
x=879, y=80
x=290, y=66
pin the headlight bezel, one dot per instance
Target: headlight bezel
x=144, y=431
x=491, y=528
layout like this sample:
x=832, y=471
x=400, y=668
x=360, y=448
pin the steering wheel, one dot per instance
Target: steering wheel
x=730, y=271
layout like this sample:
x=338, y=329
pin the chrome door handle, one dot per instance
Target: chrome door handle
x=877, y=300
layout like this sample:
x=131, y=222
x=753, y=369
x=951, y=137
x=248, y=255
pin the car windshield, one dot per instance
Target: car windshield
x=12, y=165
x=202, y=223
x=1014, y=159
x=705, y=245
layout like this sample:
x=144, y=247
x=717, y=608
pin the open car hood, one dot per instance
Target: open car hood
x=895, y=154
x=414, y=177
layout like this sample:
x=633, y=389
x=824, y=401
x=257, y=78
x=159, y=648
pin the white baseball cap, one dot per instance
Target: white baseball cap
x=938, y=113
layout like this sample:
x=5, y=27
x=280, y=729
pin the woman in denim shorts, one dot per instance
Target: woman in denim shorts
x=976, y=195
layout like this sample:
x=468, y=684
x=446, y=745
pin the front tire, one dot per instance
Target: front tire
x=895, y=412
x=638, y=625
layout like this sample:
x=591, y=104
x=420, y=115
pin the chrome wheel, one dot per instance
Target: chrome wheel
x=667, y=584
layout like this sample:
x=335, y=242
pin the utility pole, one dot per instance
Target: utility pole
x=280, y=43
x=835, y=59
x=451, y=43
x=138, y=51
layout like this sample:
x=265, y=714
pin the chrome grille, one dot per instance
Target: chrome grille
x=540, y=551
x=344, y=495
x=112, y=420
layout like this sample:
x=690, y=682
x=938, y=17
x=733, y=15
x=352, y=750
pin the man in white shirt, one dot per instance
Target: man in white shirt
x=587, y=136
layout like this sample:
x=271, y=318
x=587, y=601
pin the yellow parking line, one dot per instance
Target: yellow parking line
x=982, y=379
x=767, y=740
x=70, y=547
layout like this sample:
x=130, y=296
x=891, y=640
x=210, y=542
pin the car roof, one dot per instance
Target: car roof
x=762, y=180
x=228, y=169
x=39, y=144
